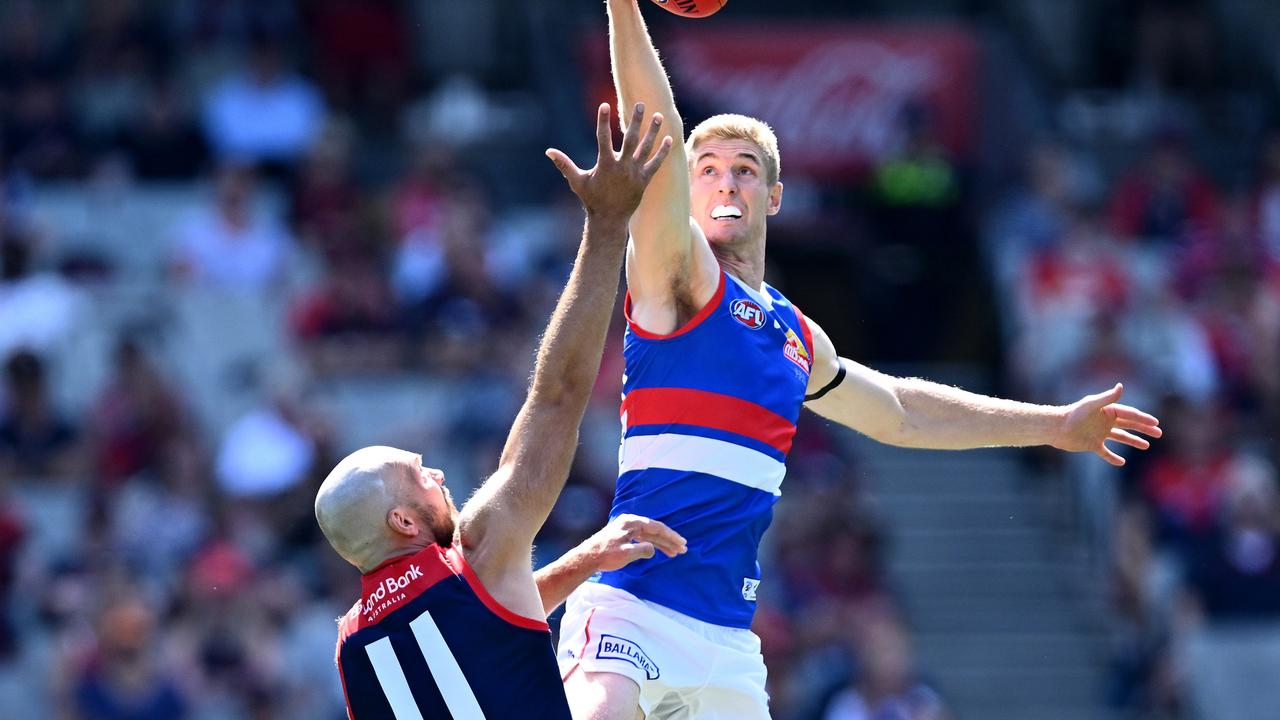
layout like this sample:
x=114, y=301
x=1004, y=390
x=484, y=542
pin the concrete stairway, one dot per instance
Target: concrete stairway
x=993, y=590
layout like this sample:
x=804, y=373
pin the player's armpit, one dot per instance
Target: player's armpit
x=666, y=292
x=826, y=363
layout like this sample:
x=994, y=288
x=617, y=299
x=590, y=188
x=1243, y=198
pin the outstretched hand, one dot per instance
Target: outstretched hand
x=614, y=186
x=1094, y=419
x=628, y=538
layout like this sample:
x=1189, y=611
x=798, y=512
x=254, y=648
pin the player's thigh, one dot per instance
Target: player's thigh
x=602, y=696
x=732, y=704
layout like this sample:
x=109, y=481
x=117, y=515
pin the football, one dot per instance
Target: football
x=691, y=8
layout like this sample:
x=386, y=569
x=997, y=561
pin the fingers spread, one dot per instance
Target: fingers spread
x=1125, y=412
x=1103, y=399
x=1129, y=439
x=1154, y=431
x=604, y=136
x=562, y=162
x=650, y=136
x=631, y=137
x=655, y=162
x=1107, y=454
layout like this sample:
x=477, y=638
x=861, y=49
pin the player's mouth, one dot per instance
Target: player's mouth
x=726, y=213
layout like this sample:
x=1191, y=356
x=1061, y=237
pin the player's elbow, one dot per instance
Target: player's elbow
x=889, y=431
x=903, y=435
x=893, y=424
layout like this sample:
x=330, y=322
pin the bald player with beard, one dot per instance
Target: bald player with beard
x=451, y=621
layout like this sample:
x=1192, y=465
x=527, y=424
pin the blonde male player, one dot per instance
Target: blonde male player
x=451, y=619
x=718, y=365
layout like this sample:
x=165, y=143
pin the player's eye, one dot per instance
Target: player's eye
x=708, y=170
x=746, y=171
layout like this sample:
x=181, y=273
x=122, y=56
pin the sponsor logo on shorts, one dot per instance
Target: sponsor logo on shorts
x=749, y=588
x=748, y=313
x=613, y=647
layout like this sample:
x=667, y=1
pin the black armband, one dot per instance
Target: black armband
x=839, y=378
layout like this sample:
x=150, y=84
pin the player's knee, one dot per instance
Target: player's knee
x=602, y=696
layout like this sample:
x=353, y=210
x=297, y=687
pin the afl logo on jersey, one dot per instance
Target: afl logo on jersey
x=748, y=313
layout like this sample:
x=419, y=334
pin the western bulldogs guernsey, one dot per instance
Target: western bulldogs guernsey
x=426, y=640
x=708, y=414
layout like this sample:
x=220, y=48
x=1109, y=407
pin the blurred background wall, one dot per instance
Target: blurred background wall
x=240, y=238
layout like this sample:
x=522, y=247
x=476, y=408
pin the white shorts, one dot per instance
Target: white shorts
x=685, y=668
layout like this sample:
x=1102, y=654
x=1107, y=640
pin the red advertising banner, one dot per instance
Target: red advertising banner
x=833, y=93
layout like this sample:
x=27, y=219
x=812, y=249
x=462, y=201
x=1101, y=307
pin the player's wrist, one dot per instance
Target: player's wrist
x=606, y=225
x=1058, y=418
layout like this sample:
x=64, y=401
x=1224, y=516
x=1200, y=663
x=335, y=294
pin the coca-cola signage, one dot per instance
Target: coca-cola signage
x=836, y=95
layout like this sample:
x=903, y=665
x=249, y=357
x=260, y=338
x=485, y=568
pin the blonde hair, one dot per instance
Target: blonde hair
x=740, y=127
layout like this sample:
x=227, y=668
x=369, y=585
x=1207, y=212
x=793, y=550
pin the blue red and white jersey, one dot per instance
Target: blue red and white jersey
x=426, y=640
x=708, y=414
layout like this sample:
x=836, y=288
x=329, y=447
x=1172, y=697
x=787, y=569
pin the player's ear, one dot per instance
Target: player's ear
x=775, y=199
x=401, y=523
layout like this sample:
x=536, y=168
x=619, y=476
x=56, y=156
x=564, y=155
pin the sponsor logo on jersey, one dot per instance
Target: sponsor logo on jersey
x=747, y=312
x=749, y=588
x=613, y=647
x=389, y=590
x=795, y=352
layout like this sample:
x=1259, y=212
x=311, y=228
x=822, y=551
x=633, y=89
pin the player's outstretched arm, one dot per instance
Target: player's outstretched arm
x=498, y=523
x=624, y=540
x=671, y=271
x=917, y=413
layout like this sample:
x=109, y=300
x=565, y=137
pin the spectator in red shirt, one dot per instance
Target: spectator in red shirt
x=136, y=418
x=349, y=322
x=325, y=203
x=1164, y=198
x=360, y=52
x=12, y=533
x=1187, y=486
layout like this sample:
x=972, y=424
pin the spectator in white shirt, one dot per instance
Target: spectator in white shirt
x=265, y=113
x=229, y=244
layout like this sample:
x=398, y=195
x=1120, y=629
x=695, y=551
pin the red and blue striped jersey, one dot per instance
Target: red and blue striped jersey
x=426, y=640
x=708, y=414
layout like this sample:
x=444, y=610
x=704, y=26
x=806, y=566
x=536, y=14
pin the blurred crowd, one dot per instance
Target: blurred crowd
x=1171, y=281
x=308, y=226
x=1167, y=277
x=294, y=169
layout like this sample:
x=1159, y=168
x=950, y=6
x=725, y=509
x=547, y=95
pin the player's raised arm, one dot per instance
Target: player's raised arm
x=918, y=413
x=671, y=271
x=501, y=519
